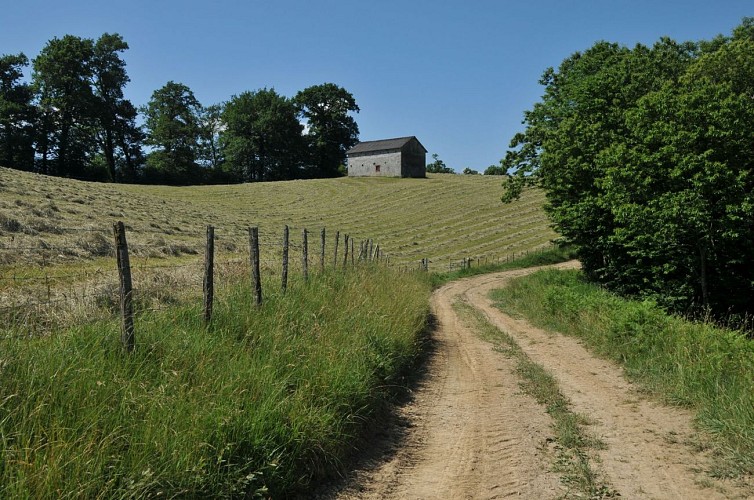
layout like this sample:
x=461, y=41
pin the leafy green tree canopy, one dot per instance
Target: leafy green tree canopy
x=438, y=166
x=646, y=160
x=118, y=135
x=331, y=130
x=83, y=120
x=62, y=79
x=262, y=139
x=173, y=130
x=73, y=120
x=495, y=170
x=17, y=114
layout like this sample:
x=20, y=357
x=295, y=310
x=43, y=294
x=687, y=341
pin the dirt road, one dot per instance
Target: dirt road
x=469, y=431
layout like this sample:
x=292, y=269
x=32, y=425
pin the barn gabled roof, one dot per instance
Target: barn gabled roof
x=382, y=145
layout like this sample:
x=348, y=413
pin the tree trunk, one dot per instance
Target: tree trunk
x=62, y=163
x=109, y=148
x=703, y=277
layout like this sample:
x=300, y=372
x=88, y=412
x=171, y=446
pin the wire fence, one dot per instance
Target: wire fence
x=53, y=293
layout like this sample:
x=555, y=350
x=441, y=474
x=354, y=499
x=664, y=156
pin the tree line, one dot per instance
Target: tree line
x=72, y=119
x=646, y=157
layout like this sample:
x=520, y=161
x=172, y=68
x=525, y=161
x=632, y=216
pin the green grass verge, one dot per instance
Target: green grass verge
x=573, y=441
x=697, y=365
x=262, y=402
x=538, y=258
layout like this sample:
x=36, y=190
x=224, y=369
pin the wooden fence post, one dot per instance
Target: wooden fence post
x=345, y=250
x=305, y=254
x=361, y=251
x=209, y=278
x=126, y=290
x=322, y=250
x=254, y=256
x=370, y=256
x=352, y=262
x=284, y=284
x=335, y=255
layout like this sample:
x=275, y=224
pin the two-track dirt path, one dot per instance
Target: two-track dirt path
x=469, y=432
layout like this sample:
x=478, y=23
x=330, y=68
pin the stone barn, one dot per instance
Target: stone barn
x=401, y=157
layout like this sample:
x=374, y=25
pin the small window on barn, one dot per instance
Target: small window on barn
x=376, y=168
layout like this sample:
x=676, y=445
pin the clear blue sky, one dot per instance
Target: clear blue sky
x=457, y=74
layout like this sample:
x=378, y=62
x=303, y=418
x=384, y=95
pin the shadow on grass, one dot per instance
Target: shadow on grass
x=388, y=431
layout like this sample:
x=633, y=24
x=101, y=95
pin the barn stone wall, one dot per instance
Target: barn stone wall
x=380, y=164
x=414, y=160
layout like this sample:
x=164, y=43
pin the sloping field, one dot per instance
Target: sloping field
x=442, y=217
x=57, y=254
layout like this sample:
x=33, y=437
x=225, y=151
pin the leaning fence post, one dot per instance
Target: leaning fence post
x=209, y=280
x=335, y=255
x=126, y=290
x=284, y=284
x=305, y=254
x=322, y=250
x=254, y=256
x=345, y=250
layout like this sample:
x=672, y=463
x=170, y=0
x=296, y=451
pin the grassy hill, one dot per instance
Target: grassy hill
x=56, y=243
x=442, y=217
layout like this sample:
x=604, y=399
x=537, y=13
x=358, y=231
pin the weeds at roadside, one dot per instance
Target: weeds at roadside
x=694, y=365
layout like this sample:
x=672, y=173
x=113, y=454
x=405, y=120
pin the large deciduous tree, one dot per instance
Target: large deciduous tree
x=173, y=129
x=84, y=122
x=16, y=114
x=118, y=135
x=211, y=125
x=62, y=79
x=262, y=137
x=646, y=159
x=331, y=129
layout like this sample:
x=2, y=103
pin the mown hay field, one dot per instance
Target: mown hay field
x=56, y=241
x=442, y=217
